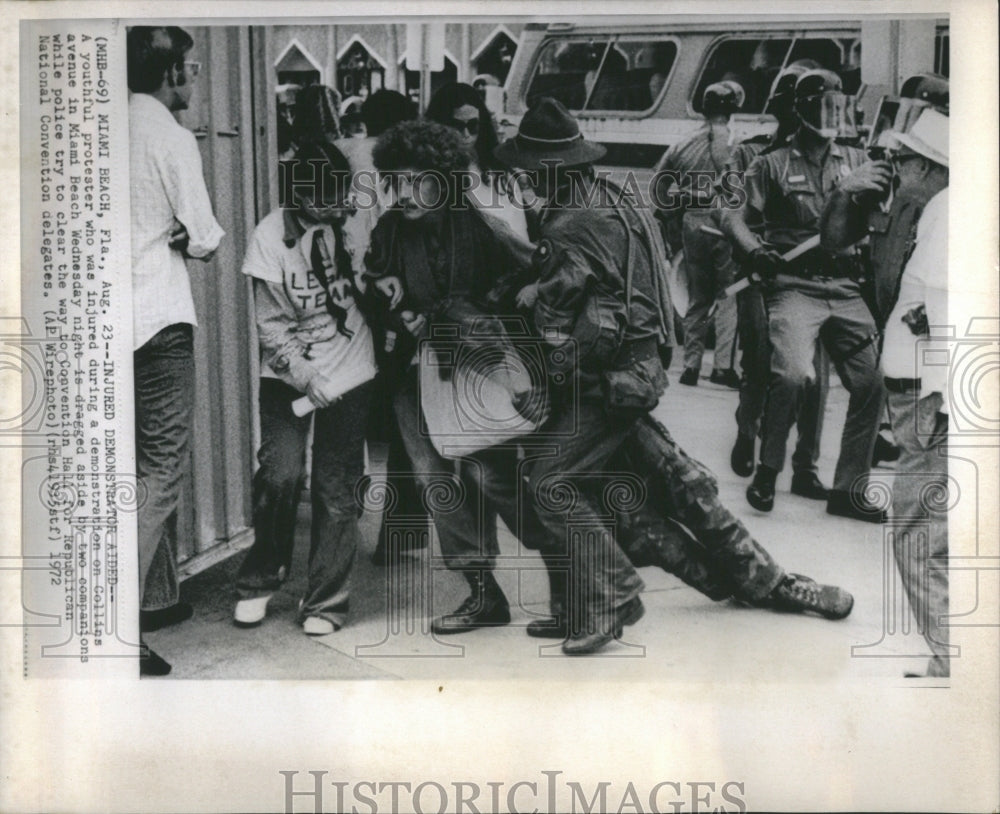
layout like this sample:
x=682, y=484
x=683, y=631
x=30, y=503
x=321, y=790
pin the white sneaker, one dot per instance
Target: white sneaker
x=318, y=626
x=251, y=612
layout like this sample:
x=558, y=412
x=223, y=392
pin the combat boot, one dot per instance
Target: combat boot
x=801, y=594
x=760, y=493
x=486, y=606
x=741, y=458
x=854, y=505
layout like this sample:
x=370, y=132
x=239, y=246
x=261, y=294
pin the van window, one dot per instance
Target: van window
x=624, y=75
x=942, y=61
x=755, y=63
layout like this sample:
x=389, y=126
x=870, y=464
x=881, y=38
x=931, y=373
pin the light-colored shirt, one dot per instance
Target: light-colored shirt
x=369, y=195
x=503, y=201
x=786, y=190
x=699, y=160
x=924, y=282
x=168, y=190
x=298, y=336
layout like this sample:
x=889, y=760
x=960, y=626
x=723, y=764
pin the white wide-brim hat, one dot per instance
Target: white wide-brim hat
x=928, y=136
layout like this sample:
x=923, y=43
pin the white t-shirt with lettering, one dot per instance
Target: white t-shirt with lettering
x=268, y=258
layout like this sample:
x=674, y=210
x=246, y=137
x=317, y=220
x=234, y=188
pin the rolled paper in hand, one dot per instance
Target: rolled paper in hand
x=345, y=383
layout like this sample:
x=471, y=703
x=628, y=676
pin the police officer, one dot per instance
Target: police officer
x=752, y=322
x=817, y=296
x=695, y=165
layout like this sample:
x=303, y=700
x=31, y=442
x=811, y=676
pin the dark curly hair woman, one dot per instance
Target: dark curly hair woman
x=492, y=189
x=461, y=107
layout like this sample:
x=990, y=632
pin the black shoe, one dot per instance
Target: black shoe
x=587, y=642
x=727, y=378
x=854, y=506
x=407, y=544
x=486, y=606
x=760, y=493
x=551, y=627
x=690, y=376
x=806, y=484
x=801, y=594
x=885, y=450
x=165, y=617
x=152, y=665
x=741, y=458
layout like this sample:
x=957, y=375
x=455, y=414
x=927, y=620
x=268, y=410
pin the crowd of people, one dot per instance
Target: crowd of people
x=362, y=310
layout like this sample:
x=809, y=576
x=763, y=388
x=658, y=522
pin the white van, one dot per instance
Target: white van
x=635, y=84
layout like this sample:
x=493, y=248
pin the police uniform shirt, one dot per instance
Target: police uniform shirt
x=703, y=152
x=789, y=191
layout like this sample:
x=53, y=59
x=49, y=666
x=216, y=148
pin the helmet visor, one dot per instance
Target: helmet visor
x=830, y=113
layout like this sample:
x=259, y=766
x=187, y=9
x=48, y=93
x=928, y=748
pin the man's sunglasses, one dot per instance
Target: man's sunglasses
x=192, y=68
x=471, y=126
x=901, y=158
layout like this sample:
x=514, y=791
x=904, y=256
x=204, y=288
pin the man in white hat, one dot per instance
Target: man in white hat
x=918, y=392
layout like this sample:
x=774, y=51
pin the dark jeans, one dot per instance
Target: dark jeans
x=756, y=363
x=164, y=400
x=465, y=523
x=337, y=466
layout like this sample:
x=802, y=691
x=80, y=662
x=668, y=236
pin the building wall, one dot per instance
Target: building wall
x=388, y=41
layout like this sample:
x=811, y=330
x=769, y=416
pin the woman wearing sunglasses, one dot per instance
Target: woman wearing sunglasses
x=493, y=190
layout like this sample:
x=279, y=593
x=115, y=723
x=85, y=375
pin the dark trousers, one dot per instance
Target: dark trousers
x=755, y=360
x=337, y=466
x=164, y=401
x=834, y=313
x=709, y=268
x=465, y=523
x=562, y=489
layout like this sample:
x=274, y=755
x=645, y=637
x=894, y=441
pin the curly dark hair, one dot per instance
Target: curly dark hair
x=420, y=145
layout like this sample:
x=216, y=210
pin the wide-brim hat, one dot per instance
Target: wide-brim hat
x=928, y=136
x=547, y=136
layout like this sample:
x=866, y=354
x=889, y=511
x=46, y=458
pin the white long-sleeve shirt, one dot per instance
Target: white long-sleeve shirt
x=924, y=282
x=168, y=190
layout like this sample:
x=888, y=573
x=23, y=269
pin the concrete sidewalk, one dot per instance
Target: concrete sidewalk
x=684, y=635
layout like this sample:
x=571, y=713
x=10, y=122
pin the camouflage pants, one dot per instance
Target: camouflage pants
x=683, y=526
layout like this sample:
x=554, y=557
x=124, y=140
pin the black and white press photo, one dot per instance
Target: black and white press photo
x=506, y=381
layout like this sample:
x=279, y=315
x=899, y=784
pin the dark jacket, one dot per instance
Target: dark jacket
x=600, y=299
